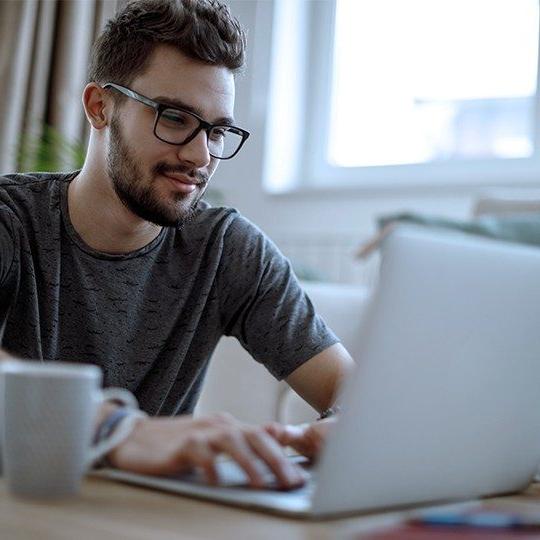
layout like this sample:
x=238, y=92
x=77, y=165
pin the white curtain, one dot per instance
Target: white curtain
x=44, y=52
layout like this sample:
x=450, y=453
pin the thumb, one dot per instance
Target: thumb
x=286, y=435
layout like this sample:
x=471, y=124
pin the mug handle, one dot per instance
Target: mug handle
x=125, y=397
x=128, y=400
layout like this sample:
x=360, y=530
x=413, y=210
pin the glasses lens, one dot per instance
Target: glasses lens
x=176, y=126
x=223, y=141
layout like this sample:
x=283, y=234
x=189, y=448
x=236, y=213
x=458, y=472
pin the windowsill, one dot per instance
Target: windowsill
x=433, y=179
x=372, y=190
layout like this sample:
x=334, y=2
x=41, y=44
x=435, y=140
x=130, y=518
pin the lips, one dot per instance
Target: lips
x=181, y=178
x=181, y=182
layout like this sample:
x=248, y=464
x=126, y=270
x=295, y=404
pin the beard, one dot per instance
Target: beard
x=138, y=194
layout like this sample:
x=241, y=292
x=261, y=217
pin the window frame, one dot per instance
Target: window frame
x=314, y=173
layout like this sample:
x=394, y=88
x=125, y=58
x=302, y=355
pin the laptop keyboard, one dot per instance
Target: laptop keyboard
x=231, y=475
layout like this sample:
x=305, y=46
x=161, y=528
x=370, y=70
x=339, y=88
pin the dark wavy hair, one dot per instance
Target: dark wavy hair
x=203, y=30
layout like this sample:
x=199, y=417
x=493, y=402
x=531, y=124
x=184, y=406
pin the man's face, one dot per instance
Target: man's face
x=159, y=182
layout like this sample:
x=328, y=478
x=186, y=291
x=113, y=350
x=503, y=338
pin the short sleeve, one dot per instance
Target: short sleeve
x=7, y=249
x=264, y=306
x=7, y=253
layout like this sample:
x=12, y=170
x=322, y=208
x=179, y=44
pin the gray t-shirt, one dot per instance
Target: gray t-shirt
x=150, y=318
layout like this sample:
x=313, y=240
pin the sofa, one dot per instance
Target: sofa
x=237, y=384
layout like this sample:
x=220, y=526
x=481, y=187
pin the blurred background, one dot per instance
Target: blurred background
x=358, y=109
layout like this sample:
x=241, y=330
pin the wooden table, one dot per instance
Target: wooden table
x=108, y=510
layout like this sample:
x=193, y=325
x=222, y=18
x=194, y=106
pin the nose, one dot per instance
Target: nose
x=196, y=151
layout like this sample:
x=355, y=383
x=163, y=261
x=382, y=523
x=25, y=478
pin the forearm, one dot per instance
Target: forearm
x=319, y=380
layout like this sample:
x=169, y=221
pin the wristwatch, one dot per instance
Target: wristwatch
x=331, y=411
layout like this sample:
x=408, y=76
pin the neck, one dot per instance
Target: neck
x=101, y=219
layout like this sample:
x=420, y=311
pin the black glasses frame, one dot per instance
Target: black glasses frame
x=161, y=107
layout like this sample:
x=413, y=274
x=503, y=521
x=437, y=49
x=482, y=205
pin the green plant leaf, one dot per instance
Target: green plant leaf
x=49, y=151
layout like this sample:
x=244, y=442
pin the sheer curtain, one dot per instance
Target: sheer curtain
x=44, y=52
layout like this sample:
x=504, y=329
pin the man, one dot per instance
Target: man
x=123, y=265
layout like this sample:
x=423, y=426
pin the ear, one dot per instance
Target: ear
x=97, y=105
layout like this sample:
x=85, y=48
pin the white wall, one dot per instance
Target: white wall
x=331, y=214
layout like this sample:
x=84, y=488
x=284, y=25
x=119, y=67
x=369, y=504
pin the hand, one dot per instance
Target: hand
x=164, y=446
x=5, y=355
x=307, y=439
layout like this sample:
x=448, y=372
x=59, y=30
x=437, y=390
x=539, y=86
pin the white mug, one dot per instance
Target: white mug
x=4, y=364
x=50, y=411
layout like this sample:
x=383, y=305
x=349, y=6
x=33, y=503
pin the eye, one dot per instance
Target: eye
x=218, y=133
x=175, y=118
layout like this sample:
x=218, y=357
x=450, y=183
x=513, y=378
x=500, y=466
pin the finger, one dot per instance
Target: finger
x=318, y=432
x=210, y=471
x=197, y=453
x=291, y=435
x=311, y=440
x=284, y=434
x=287, y=473
x=275, y=430
x=234, y=444
x=304, y=438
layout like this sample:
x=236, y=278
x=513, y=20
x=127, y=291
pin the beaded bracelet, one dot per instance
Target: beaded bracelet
x=331, y=411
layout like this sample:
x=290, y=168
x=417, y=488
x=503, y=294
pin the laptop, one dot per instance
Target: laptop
x=444, y=404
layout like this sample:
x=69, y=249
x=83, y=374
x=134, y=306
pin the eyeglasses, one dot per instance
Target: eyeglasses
x=178, y=126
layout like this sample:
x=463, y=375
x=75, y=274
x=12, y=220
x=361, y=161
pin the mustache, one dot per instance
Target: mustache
x=164, y=168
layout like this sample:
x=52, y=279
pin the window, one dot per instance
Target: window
x=422, y=80
x=419, y=92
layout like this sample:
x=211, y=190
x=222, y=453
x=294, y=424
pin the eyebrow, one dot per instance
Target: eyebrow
x=179, y=104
